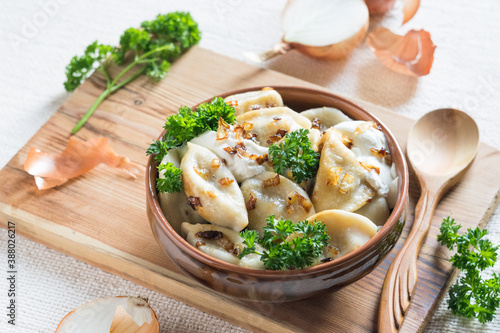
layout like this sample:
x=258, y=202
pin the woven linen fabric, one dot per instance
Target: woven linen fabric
x=39, y=37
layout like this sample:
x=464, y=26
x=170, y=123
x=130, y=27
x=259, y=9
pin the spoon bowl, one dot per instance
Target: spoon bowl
x=443, y=143
x=441, y=147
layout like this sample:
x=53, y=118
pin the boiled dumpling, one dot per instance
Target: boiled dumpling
x=242, y=156
x=212, y=189
x=174, y=205
x=271, y=125
x=254, y=100
x=314, y=138
x=340, y=181
x=325, y=117
x=392, y=197
x=221, y=243
x=376, y=210
x=271, y=194
x=370, y=146
x=348, y=231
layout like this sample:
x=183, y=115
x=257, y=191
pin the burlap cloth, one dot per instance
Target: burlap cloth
x=38, y=38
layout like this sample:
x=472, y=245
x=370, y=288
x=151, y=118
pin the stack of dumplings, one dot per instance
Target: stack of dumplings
x=230, y=184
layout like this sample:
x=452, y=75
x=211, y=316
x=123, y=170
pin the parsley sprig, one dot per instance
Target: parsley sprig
x=282, y=252
x=187, y=124
x=472, y=296
x=182, y=127
x=153, y=47
x=295, y=154
x=173, y=178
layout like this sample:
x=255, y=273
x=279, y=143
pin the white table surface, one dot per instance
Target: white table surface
x=38, y=38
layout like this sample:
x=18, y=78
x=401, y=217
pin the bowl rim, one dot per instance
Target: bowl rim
x=183, y=245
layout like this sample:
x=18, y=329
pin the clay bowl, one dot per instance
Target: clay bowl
x=280, y=286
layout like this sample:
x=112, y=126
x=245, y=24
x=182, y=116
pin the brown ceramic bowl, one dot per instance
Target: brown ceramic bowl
x=279, y=286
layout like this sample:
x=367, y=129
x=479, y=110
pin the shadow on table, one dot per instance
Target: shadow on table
x=317, y=71
x=381, y=86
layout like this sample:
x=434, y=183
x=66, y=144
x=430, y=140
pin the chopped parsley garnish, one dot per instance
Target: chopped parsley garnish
x=173, y=178
x=471, y=296
x=295, y=154
x=187, y=124
x=282, y=252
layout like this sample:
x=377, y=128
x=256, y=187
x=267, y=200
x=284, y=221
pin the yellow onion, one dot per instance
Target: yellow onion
x=111, y=314
x=326, y=29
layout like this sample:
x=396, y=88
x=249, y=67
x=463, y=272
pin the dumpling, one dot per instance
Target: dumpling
x=254, y=100
x=221, y=243
x=392, y=197
x=325, y=117
x=376, y=210
x=348, y=231
x=271, y=194
x=315, y=138
x=242, y=156
x=340, y=181
x=370, y=146
x=271, y=125
x=174, y=205
x=212, y=189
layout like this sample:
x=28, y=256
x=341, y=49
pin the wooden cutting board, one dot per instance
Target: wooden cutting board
x=100, y=217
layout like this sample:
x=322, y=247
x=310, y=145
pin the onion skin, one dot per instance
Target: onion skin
x=334, y=51
x=411, y=54
x=410, y=8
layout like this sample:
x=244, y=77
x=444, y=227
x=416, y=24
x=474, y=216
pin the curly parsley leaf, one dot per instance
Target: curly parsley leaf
x=209, y=113
x=181, y=127
x=132, y=39
x=158, y=148
x=187, y=124
x=249, y=240
x=471, y=296
x=81, y=67
x=287, y=245
x=178, y=28
x=295, y=154
x=154, y=47
x=172, y=181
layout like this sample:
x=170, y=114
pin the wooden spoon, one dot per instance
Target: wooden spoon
x=441, y=147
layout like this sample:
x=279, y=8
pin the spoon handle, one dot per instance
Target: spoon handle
x=401, y=279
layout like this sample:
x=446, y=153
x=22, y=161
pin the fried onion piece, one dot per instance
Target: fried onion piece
x=411, y=54
x=77, y=158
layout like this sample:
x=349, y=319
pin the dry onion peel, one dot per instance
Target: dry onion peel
x=326, y=29
x=411, y=54
x=111, y=314
x=410, y=7
x=77, y=158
